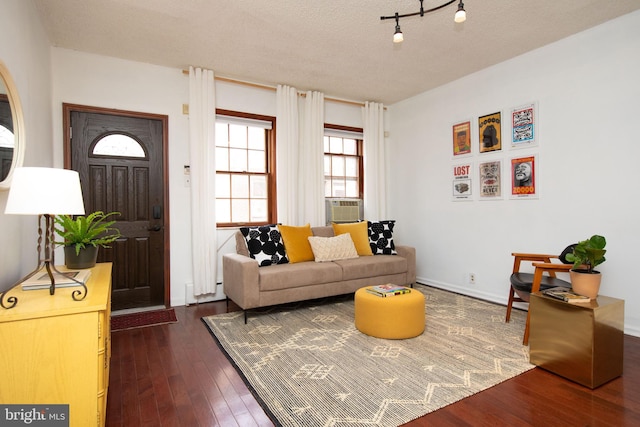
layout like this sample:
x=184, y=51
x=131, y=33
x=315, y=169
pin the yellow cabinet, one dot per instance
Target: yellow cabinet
x=54, y=350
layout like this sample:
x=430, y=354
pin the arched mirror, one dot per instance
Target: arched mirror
x=11, y=128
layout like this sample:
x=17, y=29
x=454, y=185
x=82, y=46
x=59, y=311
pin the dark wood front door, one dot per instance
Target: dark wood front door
x=120, y=157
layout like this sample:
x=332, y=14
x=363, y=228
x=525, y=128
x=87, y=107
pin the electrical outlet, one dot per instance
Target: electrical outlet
x=472, y=278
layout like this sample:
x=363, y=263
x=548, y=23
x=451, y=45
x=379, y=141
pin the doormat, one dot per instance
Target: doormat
x=142, y=319
x=308, y=365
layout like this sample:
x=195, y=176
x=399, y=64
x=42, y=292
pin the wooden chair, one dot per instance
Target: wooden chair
x=543, y=277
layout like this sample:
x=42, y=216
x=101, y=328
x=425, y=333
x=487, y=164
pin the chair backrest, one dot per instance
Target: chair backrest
x=567, y=250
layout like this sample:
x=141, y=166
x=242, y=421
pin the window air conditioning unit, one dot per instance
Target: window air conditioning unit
x=344, y=210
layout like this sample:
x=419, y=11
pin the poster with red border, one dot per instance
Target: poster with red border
x=523, y=177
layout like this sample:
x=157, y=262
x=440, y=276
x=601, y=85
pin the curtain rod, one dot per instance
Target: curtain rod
x=268, y=87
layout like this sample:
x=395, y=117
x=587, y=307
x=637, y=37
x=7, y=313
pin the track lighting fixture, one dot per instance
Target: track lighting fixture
x=460, y=16
x=397, y=36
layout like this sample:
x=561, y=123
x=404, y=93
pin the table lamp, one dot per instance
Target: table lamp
x=45, y=192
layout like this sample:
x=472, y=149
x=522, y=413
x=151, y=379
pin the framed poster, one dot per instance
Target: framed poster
x=490, y=133
x=490, y=179
x=462, y=138
x=462, y=188
x=524, y=126
x=523, y=177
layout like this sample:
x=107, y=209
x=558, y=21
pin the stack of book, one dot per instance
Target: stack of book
x=64, y=278
x=566, y=295
x=388, y=290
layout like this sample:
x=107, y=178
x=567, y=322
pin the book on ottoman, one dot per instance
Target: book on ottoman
x=388, y=290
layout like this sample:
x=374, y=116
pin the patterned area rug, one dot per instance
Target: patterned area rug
x=143, y=318
x=308, y=365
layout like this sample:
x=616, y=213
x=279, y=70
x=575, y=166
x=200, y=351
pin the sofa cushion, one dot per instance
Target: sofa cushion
x=359, y=233
x=286, y=276
x=296, y=242
x=265, y=245
x=333, y=248
x=363, y=267
x=381, y=237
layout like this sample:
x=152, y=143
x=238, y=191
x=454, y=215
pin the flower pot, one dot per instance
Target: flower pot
x=85, y=259
x=585, y=283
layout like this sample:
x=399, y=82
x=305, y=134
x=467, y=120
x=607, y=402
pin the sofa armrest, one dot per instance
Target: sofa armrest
x=240, y=280
x=409, y=253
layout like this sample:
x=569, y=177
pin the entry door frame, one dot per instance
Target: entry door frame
x=66, y=135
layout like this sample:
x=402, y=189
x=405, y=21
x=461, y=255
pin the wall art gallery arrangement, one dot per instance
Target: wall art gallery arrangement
x=488, y=166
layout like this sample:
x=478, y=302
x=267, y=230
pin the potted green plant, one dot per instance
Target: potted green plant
x=587, y=255
x=83, y=235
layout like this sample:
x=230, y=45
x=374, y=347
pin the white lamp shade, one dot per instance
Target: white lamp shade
x=38, y=191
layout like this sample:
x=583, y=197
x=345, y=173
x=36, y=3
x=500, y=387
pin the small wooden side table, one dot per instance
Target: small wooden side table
x=581, y=342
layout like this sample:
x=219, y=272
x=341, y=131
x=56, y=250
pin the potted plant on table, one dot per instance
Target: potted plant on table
x=586, y=255
x=83, y=235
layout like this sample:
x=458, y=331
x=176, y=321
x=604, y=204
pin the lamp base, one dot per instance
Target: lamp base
x=47, y=263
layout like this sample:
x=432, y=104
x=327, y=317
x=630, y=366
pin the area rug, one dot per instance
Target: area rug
x=308, y=365
x=143, y=318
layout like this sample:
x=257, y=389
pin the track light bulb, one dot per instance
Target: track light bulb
x=461, y=14
x=397, y=36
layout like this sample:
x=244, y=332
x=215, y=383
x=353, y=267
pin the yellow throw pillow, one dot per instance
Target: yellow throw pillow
x=359, y=233
x=296, y=242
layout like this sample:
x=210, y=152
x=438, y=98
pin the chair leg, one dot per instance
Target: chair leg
x=509, y=304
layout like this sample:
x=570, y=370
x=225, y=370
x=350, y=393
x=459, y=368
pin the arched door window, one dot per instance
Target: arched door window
x=118, y=144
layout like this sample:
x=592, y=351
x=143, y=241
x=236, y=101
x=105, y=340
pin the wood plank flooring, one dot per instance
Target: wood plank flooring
x=175, y=375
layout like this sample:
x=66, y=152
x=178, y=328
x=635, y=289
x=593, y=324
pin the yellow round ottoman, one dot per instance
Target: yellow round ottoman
x=396, y=317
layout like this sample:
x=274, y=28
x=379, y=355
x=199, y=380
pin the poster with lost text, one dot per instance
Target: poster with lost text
x=462, y=188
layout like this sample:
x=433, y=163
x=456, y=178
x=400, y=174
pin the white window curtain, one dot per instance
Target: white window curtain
x=311, y=183
x=287, y=154
x=202, y=111
x=375, y=194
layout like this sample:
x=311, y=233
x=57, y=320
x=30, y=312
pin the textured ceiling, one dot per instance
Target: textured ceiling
x=338, y=47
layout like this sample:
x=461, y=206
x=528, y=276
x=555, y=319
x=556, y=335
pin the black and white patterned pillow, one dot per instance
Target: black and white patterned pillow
x=381, y=237
x=265, y=244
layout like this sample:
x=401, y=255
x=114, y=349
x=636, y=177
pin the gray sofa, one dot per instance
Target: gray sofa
x=250, y=286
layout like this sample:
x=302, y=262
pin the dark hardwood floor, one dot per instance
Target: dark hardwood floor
x=175, y=375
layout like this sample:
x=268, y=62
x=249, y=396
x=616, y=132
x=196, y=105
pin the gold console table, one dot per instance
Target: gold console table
x=581, y=342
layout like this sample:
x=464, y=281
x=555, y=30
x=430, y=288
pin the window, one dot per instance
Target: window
x=117, y=144
x=343, y=166
x=245, y=169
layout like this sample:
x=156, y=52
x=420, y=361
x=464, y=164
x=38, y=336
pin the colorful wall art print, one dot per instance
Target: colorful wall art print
x=523, y=177
x=462, y=138
x=490, y=179
x=523, y=126
x=462, y=182
x=490, y=134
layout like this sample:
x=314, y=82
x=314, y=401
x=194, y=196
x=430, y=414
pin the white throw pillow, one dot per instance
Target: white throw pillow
x=333, y=248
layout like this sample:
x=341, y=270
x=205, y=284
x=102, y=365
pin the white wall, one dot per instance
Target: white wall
x=24, y=49
x=587, y=89
x=100, y=81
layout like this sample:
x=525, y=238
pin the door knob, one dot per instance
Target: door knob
x=155, y=228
